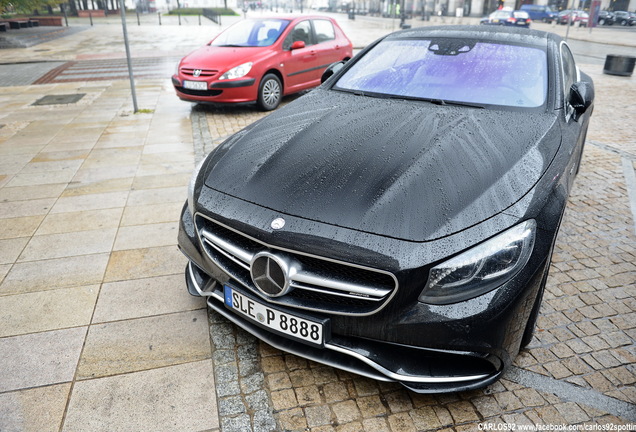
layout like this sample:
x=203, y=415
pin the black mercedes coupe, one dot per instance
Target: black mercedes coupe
x=398, y=221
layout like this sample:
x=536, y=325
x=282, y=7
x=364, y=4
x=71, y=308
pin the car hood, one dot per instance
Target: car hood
x=221, y=58
x=407, y=170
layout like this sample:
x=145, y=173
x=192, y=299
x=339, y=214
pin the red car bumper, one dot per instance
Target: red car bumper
x=236, y=91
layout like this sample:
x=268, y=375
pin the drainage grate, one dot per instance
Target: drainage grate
x=59, y=99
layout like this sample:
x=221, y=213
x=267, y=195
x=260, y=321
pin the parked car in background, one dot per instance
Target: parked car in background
x=398, y=221
x=605, y=18
x=573, y=17
x=515, y=18
x=261, y=60
x=625, y=18
x=541, y=13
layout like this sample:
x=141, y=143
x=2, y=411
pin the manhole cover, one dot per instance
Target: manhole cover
x=59, y=99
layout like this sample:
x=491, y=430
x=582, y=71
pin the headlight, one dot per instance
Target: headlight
x=237, y=72
x=481, y=268
x=193, y=181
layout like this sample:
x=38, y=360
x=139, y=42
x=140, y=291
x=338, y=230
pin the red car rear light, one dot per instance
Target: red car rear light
x=512, y=20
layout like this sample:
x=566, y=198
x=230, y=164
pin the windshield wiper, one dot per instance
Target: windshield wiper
x=441, y=102
x=453, y=103
x=230, y=46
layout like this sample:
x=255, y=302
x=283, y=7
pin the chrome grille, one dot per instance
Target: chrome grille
x=320, y=284
x=204, y=72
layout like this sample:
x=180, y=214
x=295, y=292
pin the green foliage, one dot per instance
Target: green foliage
x=199, y=11
x=26, y=6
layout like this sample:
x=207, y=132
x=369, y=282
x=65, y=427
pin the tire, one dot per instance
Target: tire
x=270, y=92
x=601, y=21
x=624, y=23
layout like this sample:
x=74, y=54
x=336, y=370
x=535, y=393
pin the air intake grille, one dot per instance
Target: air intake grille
x=319, y=284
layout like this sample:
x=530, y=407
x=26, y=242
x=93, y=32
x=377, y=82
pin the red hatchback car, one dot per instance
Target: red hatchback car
x=261, y=60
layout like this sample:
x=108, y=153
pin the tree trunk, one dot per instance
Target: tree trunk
x=72, y=7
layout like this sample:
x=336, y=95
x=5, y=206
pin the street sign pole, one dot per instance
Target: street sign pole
x=122, y=10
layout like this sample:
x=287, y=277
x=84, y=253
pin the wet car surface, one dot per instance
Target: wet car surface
x=389, y=211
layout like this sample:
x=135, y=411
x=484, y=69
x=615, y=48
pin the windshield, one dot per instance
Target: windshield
x=457, y=70
x=251, y=33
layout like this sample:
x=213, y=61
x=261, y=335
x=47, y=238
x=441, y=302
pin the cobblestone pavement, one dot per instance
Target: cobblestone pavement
x=579, y=369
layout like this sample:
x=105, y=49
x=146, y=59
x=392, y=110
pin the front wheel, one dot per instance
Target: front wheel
x=601, y=21
x=270, y=92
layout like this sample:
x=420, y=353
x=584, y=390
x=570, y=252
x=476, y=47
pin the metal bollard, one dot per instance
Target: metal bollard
x=179, y=15
x=90, y=17
x=138, y=23
x=159, y=15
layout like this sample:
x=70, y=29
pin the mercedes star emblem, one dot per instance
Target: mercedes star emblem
x=270, y=274
x=278, y=223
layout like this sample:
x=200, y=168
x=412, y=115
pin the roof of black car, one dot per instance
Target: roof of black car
x=497, y=33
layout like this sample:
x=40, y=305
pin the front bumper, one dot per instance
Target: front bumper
x=418, y=369
x=230, y=91
x=426, y=348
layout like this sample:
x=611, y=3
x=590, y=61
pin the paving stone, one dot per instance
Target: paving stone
x=292, y=420
x=231, y=406
x=401, y=422
x=557, y=370
x=283, y=399
x=318, y=415
x=301, y=378
x=463, y=412
x=487, y=406
x=258, y=401
x=398, y=401
x=310, y=395
x=252, y=383
x=371, y=406
x=529, y=397
x=375, y=424
x=346, y=411
x=349, y=427
x=264, y=421
x=242, y=422
x=278, y=381
x=443, y=415
x=335, y=392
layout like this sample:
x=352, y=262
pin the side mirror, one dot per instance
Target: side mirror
x=581, y=96
x=297, y=45
x=331, y=70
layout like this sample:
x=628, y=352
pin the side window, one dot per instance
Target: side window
x=301, y=32
x=324, y=31
x=569, y=69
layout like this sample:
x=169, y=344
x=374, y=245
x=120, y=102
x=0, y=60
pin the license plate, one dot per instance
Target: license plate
x=195, y=85
x=521, y=23
x=281, y=322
